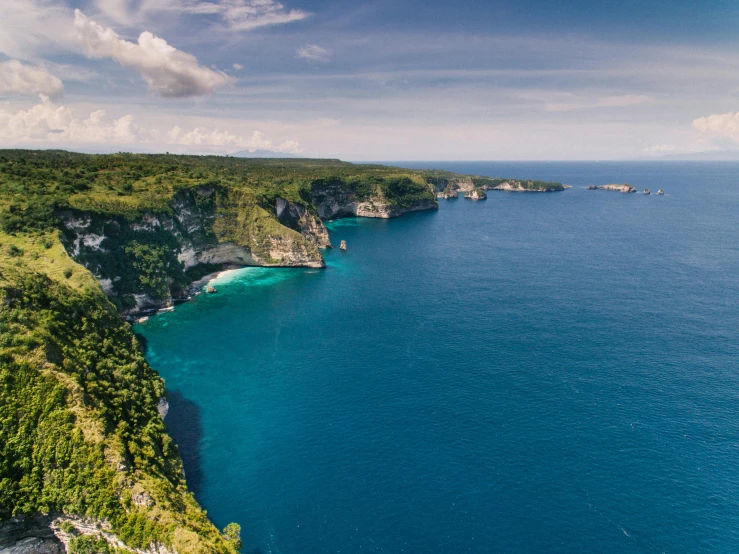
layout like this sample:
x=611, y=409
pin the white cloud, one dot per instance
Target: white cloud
x=245, y=15
x=167, y=71
x=29, y=28
x=17, y=78
x=720, y=126
x=313, y=53
x=239, y=15
x=48, y=123
x=204, y=137
x=238, y=66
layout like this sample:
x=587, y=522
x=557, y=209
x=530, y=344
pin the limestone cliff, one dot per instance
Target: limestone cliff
x=335, y=198
x=625, y=188
x=147, y=262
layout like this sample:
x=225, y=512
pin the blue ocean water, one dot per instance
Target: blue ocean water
x=532, y=373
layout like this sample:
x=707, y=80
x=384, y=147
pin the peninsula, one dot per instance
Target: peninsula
x=87, y=240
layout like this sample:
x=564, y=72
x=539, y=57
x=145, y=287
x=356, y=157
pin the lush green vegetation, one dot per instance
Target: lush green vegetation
x=34, y=186
x=224, y=199
x=79, y=429
x=441, y=180
x=80, y=433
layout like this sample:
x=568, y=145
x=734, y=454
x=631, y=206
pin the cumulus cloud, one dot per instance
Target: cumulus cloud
x=204, y=137
x=720, y=126
x=313, y=53
x=49, y=123
x=17, y=78
x=167, y=71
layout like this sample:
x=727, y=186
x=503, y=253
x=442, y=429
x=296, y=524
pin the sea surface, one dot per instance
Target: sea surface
x=532, y=373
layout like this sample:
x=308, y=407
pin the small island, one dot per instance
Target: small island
x=625, y=188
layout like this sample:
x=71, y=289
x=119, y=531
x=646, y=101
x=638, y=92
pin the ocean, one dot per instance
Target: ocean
x=531, y=373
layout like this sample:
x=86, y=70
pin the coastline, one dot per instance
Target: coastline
x=197, y=286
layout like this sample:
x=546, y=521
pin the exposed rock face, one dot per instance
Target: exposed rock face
x=296, y=216
x=29, y=536
x=511, y=187
x=475, y=194
x=163, y=407
x=618, y=188
x=220, y=254
x=206, y=225
x=47, y=534
x=519, y=186
x=333, y=200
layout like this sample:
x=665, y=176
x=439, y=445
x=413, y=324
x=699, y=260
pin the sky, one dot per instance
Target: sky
x=374, y=80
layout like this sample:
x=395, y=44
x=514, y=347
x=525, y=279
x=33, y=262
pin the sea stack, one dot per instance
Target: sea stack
x=342, y=246
x=211, y=290
x=647, y=191
x=660, y=192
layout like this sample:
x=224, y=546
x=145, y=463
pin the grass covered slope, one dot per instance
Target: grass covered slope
x=80, y=433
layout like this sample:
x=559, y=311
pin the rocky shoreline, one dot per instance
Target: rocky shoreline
x=625, y=188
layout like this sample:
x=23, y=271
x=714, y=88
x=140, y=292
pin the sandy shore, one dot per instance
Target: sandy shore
x=208, y=279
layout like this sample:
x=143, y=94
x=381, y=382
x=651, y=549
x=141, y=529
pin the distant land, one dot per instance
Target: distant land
x=713, y=156
x=262, y=154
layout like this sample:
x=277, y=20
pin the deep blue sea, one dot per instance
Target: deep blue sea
x=532, y=373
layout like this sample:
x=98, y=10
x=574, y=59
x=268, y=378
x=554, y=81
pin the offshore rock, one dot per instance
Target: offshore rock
x=625, y=188
x=475, y=194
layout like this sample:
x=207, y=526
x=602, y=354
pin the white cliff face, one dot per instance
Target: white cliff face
x=346, y=206
x=297, y=217
x=191, y=224
x=163, y=407
x=618, y=188
x=225, y=253
x=147, y=223
x=93, y=241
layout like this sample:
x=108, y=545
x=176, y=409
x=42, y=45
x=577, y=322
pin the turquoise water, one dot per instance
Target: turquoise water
x=532, y=373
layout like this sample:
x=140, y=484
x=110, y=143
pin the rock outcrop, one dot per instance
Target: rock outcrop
x=625, y=188
x=207, y=226
x=475, y=194
x=29, y=536
x=333, y=198
x=299, y=218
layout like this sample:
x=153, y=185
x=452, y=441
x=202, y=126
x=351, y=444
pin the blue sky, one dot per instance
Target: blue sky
x=377, y=80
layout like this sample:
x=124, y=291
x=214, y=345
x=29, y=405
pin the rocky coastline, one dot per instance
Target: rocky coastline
x=291, y=235
x=625, y=188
